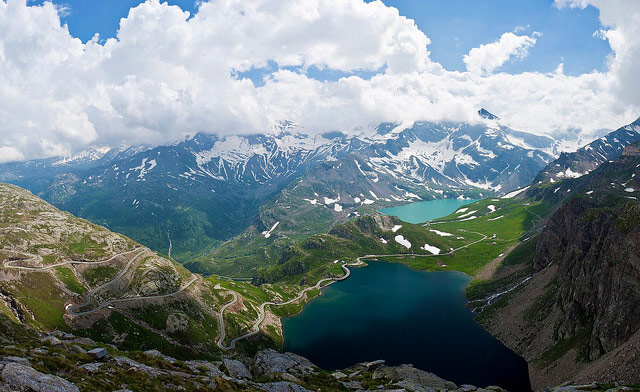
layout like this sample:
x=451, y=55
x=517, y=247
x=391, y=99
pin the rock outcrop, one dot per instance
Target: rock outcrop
x=24, y=378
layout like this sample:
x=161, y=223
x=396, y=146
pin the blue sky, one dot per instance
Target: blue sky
x=454, y=27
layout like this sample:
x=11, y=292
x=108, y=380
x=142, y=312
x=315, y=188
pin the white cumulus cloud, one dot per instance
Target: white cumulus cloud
x=489, y=57
x=168, y=73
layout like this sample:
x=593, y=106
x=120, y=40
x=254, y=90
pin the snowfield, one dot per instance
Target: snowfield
x=441, y=233
x=267, y=234
x=403, y=241
x=434, y=250
x=514, y=193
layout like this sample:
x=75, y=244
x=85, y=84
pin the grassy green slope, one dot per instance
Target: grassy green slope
x=467, y=244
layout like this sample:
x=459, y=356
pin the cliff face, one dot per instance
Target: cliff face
x=598, y=254
x=578, y=317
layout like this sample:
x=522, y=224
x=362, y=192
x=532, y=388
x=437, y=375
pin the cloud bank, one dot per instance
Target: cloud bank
x=168, y=73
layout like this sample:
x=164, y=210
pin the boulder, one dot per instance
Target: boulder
x=63, y=335
x=52, y=340
x=23, y=378
x=351, y=384
x=236, y=369
x=412, y=378
x=92, y=366
x=78, y=349
x=86, y=341
x=209, y=368
x=11, y=359
x=131, y=364
x=269, y=362
x=413, y=387
x=281, y=386
x=373, y=365
x=160, y=355
x=98, y=353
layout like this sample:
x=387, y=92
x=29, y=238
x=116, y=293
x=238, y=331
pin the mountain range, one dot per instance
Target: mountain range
x=193, y=195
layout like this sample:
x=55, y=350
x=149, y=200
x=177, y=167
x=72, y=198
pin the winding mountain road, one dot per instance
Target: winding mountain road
x=9, y=264
x=73, y=309
x=72, y=312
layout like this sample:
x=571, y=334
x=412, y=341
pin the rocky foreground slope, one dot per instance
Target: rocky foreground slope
x=61, y=362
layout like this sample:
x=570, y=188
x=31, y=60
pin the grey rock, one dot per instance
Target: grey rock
x=40, y=350
x=289, y=377
x=236, y=369
x=467, y=388
x=92, y=366
x=381, y=389
x=160, y=355
x=338, y=375
x=86, y=341
x=131, y=364
x=351, y=384
x=586, y=387
x=269, y=362
x=412, y=377
x=413, y=387
x=63, y=335
x=281, y=386
x=78, y=349
x=98, y=353
x=180, y=374
x=24, y=378
x=11, y=359
x=373, y=364
x=211, y=369
x=52, y=340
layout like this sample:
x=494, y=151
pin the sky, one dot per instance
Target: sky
x=82, y=73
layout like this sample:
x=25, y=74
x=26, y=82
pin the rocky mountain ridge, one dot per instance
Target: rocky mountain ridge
x=585, y=159
x=576, y=316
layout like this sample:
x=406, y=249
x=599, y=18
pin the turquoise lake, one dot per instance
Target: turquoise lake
x=423, y=211
x=389, y=311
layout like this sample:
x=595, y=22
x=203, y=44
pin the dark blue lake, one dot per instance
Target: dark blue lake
x=388, y=311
